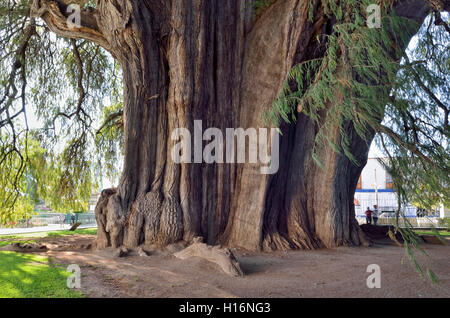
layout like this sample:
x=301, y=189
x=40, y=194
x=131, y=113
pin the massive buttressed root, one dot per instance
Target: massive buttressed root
x=213, y=61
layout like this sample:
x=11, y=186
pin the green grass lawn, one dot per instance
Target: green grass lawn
x=441, y=233
x=33, y=276
x=50, y=234
x=76, y=232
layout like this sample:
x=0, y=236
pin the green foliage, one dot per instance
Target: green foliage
x=418, y=117
x=17, y=197
x=109, y=140
x=412, y=243
x=445, y=222
x=350, y=82
x=46, y=176
x=65, y=85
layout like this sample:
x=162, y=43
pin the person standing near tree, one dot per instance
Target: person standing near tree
x=62, y=218
x=375, y=214
x=368, y=215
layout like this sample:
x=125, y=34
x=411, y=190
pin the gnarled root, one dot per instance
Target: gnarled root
x=221, y=256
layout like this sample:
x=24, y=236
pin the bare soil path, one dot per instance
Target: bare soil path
x=340, y=272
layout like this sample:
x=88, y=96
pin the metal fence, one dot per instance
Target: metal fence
x=45, y=219
x=416, y=222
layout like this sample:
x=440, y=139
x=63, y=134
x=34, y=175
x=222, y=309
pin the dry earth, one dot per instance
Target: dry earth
x=340, y=272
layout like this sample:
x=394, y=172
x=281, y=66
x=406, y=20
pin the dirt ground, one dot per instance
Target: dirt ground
x=340, y=272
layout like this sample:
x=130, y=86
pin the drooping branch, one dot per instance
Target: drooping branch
x=8, y=113
x=56, y=15
x=407, y=145
x=18, y=64
x=427, y=90
x=81, y=91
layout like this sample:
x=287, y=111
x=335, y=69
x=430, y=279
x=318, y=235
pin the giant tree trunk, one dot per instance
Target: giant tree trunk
x=186, y=60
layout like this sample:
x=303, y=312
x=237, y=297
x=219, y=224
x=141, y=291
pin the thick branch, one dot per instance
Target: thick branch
x=440, y=5
x=55, y=15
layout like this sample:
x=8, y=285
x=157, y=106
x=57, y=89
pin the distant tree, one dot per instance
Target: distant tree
x=38, y=175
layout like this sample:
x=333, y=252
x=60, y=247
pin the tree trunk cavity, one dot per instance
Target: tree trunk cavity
x=186, y=60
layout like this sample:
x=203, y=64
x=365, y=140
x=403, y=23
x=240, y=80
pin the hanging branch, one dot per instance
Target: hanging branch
x=18, y=64
x=81, y=91
x=438, y=102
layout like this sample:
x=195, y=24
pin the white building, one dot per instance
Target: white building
x=444, y=211
x=375, y=187
x=93, y=201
